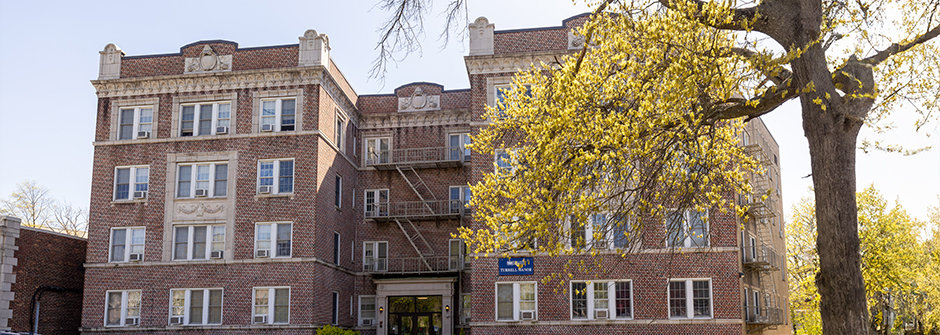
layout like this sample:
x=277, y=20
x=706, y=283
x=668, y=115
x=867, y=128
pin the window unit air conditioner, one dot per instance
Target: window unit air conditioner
x=527, y=315
x=176, y=320
x=267, y=127
x=601, y=314
x=221, y=130
x=201, y=192
x=133, y=321
x=263, y=253
x=366, y=322
x=265, y=189
x=140, y=194
x=260, y=319
x=135, y=257
x=143, y=134
x=216, y=254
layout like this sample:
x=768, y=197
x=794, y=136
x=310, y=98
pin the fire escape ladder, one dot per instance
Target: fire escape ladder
x=413, y=236
x=418, y=185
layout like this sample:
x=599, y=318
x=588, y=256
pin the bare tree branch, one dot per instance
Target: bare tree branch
x=896, y=48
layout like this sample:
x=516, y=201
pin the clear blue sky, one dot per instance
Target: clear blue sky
x=49, y=52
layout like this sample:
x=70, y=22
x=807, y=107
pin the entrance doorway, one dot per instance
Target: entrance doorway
x=414, y=315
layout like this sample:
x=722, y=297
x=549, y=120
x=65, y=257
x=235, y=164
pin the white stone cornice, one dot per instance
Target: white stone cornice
x=208, y=81
x=416, y=119
x=509, y=63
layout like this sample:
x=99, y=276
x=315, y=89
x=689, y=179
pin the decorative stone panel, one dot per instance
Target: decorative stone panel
x=208, y=61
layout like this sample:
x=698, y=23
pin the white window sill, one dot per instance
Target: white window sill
x=274, y=195
x=130, y=201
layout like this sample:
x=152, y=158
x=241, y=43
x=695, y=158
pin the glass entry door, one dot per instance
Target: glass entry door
x=414, y=315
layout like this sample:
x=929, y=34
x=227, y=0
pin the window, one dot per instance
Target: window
x=377, y=150
x=465, y=308
x=690, y=299
x=123, y=308
x=686, y=229
x=276, y=176
x=278, y=114
x=202, y=180
x=459, y=199
x=516, y=301
x=458, y=147
x=601, y=300
x=367, y=310
x=602, y=231
x=340, y=139
x=376, y=203
x=338, y=192
x=336, y=248
x=271, y=305
x=272, y=240
x=130, y=182
x=375, y=256
x=208, y=118
x=198, y=242
x=127, y=244
x=335, y=318
x=456, y=251
x=135, y=122
x=504, y=162
x=196, y=306
x=502, y=92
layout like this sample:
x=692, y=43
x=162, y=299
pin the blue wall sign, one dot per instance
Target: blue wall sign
x=516, y=266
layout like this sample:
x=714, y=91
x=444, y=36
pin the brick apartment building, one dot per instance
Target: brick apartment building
x=252, y=190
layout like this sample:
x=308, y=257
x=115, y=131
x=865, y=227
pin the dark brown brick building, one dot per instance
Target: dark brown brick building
x=251, y=190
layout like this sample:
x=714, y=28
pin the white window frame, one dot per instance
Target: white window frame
x=464, y=195
x=214, y=121
x=187, y=299
x=463, y=140
x=340, y=131
x=500, y=112
x=132, y=181
x=689, y=298
x=128, y=243
x=376, y=143
x=376, y=196
x=190, y=237
x=611, y=299
x=375, y=305
x=194, y=175
x=124, y=308
x=686, y=229
x=456, y=262
x=338, y=191
x=375, y=259
x=465, y=316
x=278, y=122
x=334, y=301
x=272, y=251
x=271, y=300
x=516, y=300
x=276, y=176
x=504, y=171
x=337, y=242
x=137, y=122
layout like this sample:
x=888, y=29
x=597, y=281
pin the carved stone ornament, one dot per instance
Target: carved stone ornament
x=418, y=101
x=208, y=61
x=200, y=210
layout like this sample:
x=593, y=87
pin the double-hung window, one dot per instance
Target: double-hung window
x=504, y=162
x=131, y=182
x=340, y=139
x=202, y=180
x=271, y=305
x=135, y=122
x=196, y=306
x=123, y=308
x=516, y=301
x=502, y=94
x=457, y=251
x=465, y=304
x=377, y=150
x=601, y=231
x=272, y=240
x=278, y=114
x=198, y=242
x=459, y=199
x=208, y=118
x=690, y=299
x=127, y=244
x=276, y=176
x=601, y=300
x=336, y=244
x=367, y=309
x=338, y=192
x=376, y=203
x=457, y=147
x=375, y=256
x=686, y=229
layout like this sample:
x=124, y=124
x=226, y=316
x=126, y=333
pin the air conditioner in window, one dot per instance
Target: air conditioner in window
x=143, y=134
x=216, y=254
x=201, y=192
x=367, y=267
x=527, y=315
x=366, y=322
x=601, y=314
x=265, y=189
x=140, y=194
x=132, y=321
x=176, y=320
x=267, y=127
x=263, y=253
x=260, y=319
x=221, y=130
x=135, y=257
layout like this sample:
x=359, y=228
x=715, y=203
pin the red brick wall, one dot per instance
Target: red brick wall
x=48, y=259
x=247, y=59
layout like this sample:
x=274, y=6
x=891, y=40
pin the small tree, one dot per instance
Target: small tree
x=333, y=330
